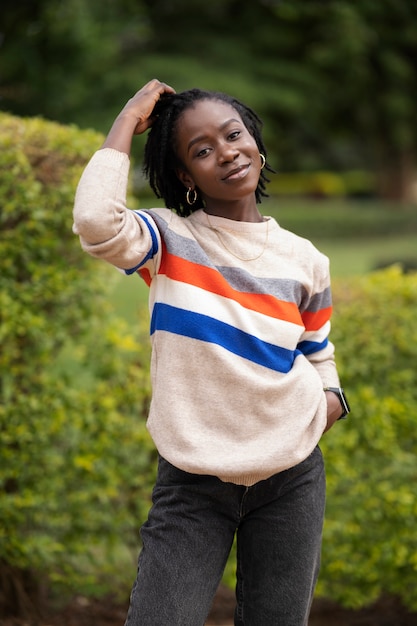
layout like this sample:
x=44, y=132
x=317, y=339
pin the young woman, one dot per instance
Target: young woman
x=241, y=361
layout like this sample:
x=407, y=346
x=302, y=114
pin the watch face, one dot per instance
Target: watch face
x=344, y=403
x=342, y=399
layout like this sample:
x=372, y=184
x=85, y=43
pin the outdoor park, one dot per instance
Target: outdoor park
x=335, y=84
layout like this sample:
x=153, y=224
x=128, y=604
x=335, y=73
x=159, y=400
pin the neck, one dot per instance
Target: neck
x=240, y=212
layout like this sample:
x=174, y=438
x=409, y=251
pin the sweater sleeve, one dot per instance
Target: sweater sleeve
x=315, y=343
x=107, y=229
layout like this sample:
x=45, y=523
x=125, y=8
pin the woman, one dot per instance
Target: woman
x=241, y=361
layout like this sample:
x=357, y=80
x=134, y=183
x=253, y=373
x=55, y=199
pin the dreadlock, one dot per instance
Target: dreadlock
x=161, y=160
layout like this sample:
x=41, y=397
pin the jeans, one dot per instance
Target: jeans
x=189, y=533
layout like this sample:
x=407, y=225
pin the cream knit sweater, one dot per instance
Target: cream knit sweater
x=239, y=327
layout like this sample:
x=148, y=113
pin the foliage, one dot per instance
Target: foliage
x=370, y=545
x=63, y=60
x=335, y=82
x=320, y=184
x=76, y=460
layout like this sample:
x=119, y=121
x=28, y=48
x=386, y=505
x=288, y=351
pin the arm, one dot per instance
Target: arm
x=107, y=229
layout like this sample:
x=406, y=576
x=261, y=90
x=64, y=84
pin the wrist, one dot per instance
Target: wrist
x=121, y=133
x=339, y=393
x=128, y=118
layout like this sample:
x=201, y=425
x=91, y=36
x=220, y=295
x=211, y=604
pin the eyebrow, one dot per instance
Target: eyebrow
x=202, y=137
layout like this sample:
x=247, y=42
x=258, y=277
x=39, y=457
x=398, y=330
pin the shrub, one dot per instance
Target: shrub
x=322, y=184
x=370, y=543
x=75, y=460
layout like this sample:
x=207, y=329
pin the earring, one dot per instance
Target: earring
x=263, y=160
x=191, y=200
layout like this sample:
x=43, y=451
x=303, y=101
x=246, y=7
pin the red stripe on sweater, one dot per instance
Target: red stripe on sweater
x=211, y=280
x=316, y=319
x=145, y=274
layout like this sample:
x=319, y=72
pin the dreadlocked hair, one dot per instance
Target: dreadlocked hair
x=160, y=157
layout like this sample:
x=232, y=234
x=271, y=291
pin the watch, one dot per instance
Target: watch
x=342, y=399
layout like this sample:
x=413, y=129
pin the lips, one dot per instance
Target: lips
x=237, y=172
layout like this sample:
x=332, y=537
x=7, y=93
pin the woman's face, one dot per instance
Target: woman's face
x=219, y=155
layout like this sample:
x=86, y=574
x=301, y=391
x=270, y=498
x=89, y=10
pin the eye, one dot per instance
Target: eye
x=202, y=153
x=234, y=135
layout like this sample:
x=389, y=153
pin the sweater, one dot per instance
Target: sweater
x=239, y=325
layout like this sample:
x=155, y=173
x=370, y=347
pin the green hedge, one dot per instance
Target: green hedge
x=370, y=539
x=323, y=184
x=75, y=459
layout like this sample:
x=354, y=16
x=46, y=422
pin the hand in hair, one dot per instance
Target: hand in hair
x=136, y=116
x=143, y=103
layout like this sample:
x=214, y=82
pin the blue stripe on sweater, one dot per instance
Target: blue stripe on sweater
x=204, y=328
x=154, y=247
x=310, y=347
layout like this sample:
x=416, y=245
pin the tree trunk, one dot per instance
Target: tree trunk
x=23, y=593
x=397, y=178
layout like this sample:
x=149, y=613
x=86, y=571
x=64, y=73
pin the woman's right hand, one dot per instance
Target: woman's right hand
x=136, y=116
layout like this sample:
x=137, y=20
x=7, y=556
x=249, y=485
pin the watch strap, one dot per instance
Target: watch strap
x=342, y=399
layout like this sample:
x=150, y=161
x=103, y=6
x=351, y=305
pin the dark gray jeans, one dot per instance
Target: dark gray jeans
x=189, y=534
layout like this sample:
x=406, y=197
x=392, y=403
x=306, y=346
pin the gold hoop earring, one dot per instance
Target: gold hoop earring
x=263, y=160
x=191, y=200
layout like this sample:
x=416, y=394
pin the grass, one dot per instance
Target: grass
x=360, y=256
x=130, y=297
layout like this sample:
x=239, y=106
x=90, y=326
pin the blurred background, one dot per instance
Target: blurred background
x=335, y=84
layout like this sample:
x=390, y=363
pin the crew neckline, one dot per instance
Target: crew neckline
x=224, y=223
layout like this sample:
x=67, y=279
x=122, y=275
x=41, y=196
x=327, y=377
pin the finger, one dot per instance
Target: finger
x=159, y=86
x=168, y=88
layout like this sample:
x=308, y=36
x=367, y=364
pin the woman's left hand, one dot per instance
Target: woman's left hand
x=334, y=409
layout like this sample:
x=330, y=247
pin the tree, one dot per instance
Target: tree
x=69, y=61
x=335, y=82
x=365, y=56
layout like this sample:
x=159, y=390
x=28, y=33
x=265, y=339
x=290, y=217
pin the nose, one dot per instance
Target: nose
x=227, y=153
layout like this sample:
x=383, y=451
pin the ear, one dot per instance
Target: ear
x=185, y=178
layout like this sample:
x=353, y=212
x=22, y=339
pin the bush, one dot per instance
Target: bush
x=75, y=460
x=370, y=543
x=322, y=184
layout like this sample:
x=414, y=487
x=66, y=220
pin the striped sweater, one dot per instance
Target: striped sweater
x=240, y=317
